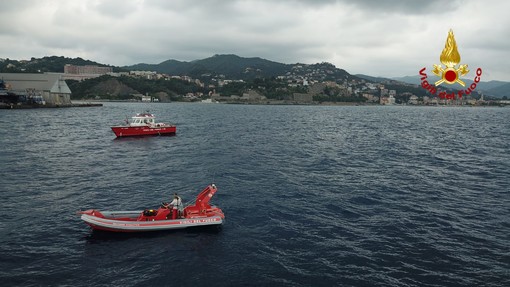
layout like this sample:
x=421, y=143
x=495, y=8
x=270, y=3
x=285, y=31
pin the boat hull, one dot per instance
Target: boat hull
x=127, y=131
x=166, y=217
x=125, y=225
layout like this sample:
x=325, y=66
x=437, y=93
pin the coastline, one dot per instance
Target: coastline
x=36, y=106
x=96, y=103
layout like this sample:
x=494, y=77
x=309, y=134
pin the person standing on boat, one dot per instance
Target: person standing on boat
x=178, y=208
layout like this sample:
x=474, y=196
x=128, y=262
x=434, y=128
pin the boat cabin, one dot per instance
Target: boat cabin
x=142, y=120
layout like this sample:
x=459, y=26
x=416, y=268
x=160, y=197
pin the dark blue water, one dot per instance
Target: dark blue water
x=313, y=196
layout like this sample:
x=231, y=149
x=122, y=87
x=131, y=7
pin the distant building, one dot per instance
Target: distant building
x=51, y=87
x=150, y=75
x=387, y=100
x=391, y=99
x=88, y=69
x=79, y=73
x=370, y=97
x=252, y=95
x=413, y=100
x=317, y=88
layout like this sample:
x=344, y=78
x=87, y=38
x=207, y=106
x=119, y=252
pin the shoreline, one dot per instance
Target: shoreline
x=36, y=106
x=96, y=103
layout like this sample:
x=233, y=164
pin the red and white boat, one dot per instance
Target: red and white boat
x=143, y=125
x=201, y=213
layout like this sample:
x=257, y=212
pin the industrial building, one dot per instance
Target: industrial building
x=44, y=89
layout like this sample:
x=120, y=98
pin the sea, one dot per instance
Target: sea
x=313, y=195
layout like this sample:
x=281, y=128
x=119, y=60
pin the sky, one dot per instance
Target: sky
x=389, y=38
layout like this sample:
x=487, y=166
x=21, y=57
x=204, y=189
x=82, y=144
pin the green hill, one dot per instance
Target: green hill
x=230, y=66
x=53, y=64
x=124, y=88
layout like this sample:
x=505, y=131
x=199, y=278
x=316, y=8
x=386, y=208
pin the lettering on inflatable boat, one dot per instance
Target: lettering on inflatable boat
x=194, y=221
x=124, y=224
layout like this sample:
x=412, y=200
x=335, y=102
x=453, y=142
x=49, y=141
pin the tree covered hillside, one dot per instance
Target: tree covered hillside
x=53, y=64
x=230, y=66
x=124, y=88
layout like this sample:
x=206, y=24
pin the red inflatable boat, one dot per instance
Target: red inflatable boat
x=201, y=213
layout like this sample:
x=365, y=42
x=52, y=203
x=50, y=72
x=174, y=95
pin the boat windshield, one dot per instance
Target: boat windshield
x=141, y=121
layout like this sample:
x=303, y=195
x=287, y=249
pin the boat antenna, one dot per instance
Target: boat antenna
x=214, y=177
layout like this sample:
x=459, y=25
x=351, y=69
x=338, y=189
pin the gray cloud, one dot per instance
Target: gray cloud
x=430, y=7
x=380, y=38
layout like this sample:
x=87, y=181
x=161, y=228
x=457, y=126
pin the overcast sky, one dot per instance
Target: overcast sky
x=388, y=38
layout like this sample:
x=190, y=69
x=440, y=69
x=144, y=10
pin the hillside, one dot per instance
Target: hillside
x=238, y=68
x=230, y=66
x=227, y=67
x=373, y=79
x=170, y=67
x=102, y=86
x=502, y=90
x=125, y=88
x=53, y=64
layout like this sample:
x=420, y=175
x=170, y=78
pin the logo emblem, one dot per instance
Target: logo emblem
x=450, y=57
x=450, y=73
